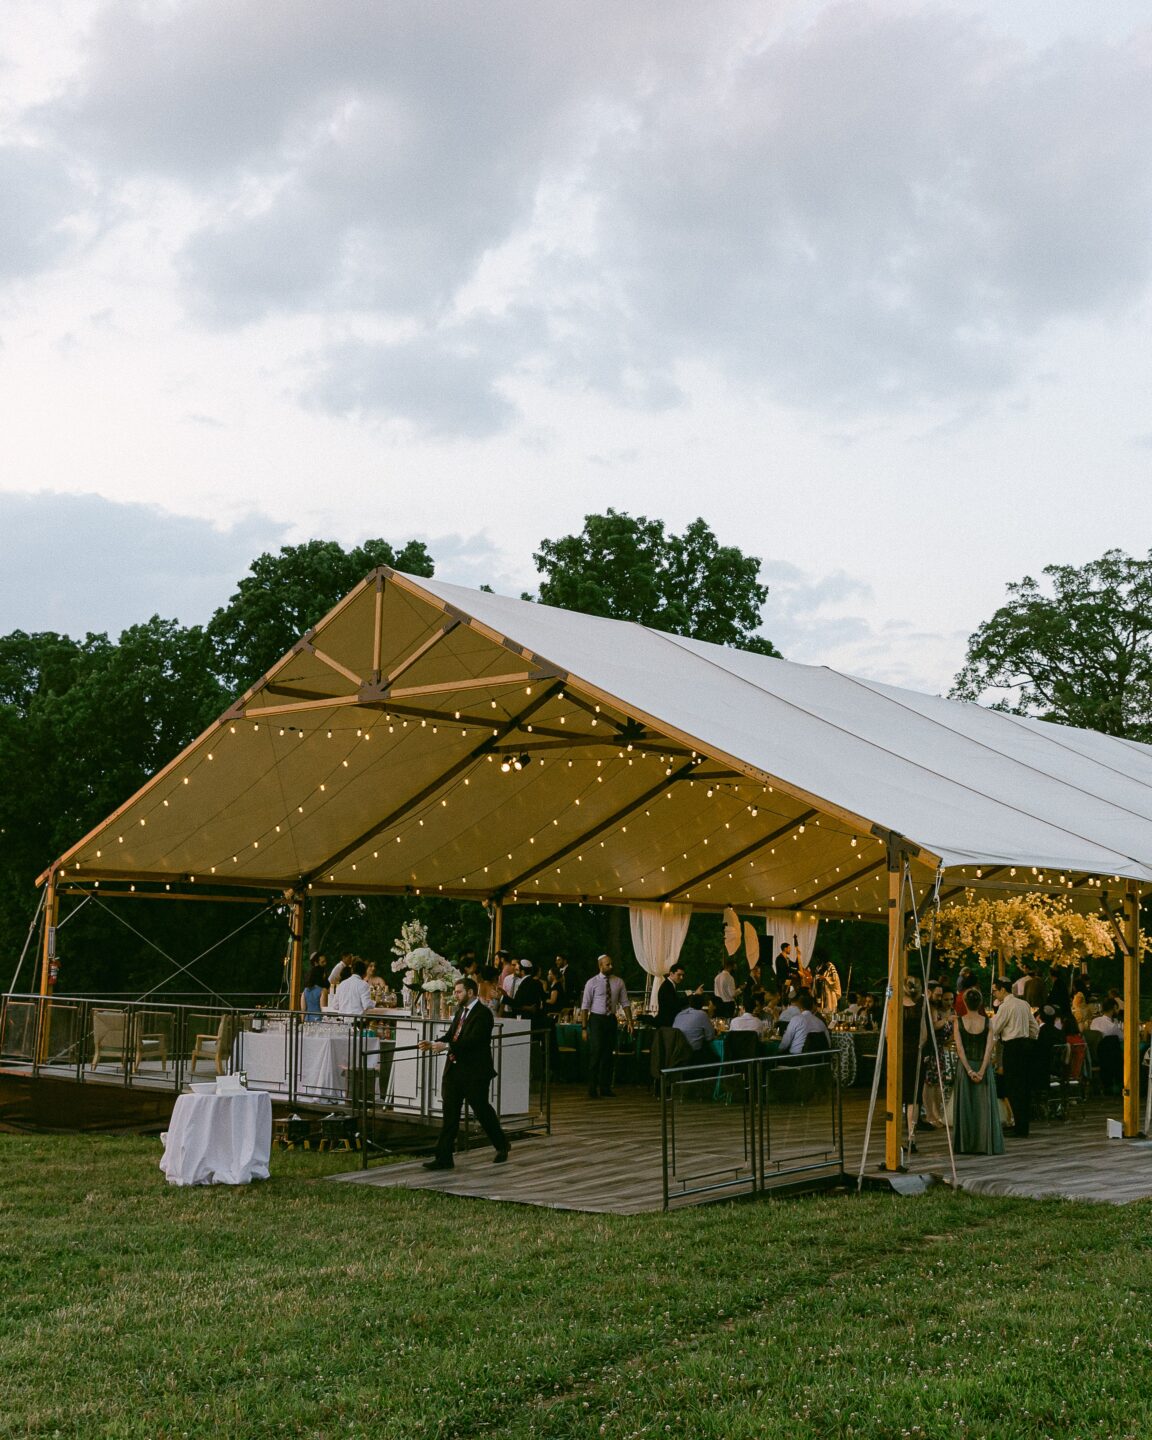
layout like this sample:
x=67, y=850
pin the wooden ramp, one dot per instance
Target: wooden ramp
x=604, y=1156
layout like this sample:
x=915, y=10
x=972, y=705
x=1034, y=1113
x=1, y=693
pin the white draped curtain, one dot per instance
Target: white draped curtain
x=658, y=931
x=783, y=925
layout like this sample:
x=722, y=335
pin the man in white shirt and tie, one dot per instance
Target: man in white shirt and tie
x=1015, y=1026
x=604, y=995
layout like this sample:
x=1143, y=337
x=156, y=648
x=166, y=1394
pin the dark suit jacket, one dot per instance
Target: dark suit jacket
x=470, y=1055
x=669, y=1003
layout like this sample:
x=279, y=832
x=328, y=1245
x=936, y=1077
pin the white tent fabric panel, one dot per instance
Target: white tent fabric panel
x=971, y=785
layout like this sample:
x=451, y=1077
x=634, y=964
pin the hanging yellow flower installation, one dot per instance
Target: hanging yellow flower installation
x=1037, y=927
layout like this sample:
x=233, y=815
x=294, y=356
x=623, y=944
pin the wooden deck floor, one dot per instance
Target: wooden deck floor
x=605, y=1157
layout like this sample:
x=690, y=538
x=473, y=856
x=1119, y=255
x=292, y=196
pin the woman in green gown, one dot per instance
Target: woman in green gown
x=977, y=1130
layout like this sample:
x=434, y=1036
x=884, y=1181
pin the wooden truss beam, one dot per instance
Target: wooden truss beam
x=759, y=844
x=871, y=868
x=433, y=787
x=597, y=830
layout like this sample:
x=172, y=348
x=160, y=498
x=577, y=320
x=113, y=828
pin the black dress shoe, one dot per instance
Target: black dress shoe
x=439, y=1165
x=608, y=1094
x=500, y=1158
x=593, y=1095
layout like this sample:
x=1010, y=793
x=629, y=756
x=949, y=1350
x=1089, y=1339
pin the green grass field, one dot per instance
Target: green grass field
x=300, y=1307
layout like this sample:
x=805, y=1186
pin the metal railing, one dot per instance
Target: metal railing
x=369, y=1066
x=742, y=1127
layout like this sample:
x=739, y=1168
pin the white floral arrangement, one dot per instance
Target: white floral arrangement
x=423, y=968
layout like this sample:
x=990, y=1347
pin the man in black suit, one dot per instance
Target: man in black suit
x=783, y=968
x=669, y=1001
x=468, y=1073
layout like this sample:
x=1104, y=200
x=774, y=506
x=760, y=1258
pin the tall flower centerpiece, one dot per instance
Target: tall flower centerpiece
x=428, y=977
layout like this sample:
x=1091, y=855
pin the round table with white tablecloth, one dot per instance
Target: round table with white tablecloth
x=218, y=1139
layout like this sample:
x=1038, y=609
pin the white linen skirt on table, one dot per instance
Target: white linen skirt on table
x=218, y=1139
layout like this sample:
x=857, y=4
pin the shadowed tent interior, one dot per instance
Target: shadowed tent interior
x=423, y=738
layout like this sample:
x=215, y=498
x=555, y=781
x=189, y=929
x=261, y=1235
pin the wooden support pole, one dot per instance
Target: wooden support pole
x=497, y=926
x=894, y=1122
x=296, y=949
x=48, y=940
x=47, y=956
x=1132, y=1010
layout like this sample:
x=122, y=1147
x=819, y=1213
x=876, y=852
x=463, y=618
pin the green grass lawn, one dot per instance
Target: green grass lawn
x=300, y=1307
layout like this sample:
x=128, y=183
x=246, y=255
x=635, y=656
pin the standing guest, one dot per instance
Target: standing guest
x=528, y=1001
x=376, y=984
x=826, y=988
x=1082, y=1008
x=1058, y=996
x=965, y=981
x=567, y=982
x=315, y=993
x=977, y=1130
x=488, y=986
x=802, y=1025
x=510, y=978
x=504, y=966
x=1035, y=992
x=669, y=1000
x=1015, y=1027
x=940, y=1018
x=340, y=971
x=695, y=1023
x=751, y=992
x=724, y=988
x=604, y=995
x=468, y=1073
x=353, y=996
x=914, y=1022
x=782, y=967
x=554, y=998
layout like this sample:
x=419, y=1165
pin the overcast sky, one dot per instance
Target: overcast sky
x=866, y=285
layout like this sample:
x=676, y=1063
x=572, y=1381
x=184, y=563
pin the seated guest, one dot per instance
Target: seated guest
x=353, y=996
x=789, y=1012
x=866, y=1013
x=669, y=1000
x=695, y=1023
x=1108, y=1022
x=747, y=1020
x=803, y=1024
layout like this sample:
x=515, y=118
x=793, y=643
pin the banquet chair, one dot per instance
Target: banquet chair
x=110, y=1036
x=670, y=1049
x=215, y=1047
x=731, y=1082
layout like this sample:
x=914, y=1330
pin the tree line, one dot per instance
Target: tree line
x=84, y=722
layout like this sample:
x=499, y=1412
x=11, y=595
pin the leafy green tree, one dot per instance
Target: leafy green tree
x=627, y=567
x=1075, y=648
x=284, y=595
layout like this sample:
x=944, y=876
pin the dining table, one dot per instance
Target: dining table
x=221, y=1139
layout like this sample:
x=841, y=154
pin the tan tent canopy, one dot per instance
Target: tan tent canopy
x=433, y=740
x=425, y=738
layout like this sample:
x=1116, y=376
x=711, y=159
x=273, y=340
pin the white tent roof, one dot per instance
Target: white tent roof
x=707, y=774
